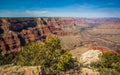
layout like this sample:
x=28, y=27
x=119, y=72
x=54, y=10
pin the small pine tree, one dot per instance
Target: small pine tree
x=49, y=55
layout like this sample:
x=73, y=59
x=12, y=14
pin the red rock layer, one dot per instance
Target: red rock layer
x=16, y=32
x=104, y=49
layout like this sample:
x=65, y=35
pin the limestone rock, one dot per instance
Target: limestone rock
x=90, y=56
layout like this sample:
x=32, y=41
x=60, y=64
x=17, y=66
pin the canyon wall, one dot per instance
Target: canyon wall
x=16, y=32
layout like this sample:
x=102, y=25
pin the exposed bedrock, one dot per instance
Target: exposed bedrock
x=16, y=32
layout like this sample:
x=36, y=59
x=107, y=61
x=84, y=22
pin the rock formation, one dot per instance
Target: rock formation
x=90, y=56
x=16, y=32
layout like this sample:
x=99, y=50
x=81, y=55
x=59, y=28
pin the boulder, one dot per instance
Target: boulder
x=90, y=56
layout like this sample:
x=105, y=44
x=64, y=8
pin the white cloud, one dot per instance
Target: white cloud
x=26, y=13
x=76, y=10
x=35, y=12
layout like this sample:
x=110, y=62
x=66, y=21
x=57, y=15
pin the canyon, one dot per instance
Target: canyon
x=15, y=33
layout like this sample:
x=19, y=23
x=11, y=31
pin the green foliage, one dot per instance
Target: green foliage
x=29, y=56
x=111, y=60
x=49, y=55
x=109, y=63
x=6, y=59
x=1, y=59
x=66, y=62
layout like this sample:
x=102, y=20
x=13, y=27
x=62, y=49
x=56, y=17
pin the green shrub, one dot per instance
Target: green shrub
x=110, y=60
x=109, y=63
x=6, y=59
x=29, y=56
x=1, y=59
x=49, y=55
x=66, y=62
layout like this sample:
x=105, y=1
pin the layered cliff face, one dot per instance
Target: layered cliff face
x=16, y=32
x=4, y=26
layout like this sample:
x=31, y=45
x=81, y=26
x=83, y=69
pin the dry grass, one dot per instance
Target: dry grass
x=78, y=51
x=70, y=41
x=19, y=70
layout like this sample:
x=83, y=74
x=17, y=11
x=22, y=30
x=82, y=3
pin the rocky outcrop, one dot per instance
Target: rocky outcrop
x=10, y=43
x=16, y=32
x=4, y=26
x=18, y=24
x=90, y=56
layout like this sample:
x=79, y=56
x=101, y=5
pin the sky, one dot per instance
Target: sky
x=60, y=8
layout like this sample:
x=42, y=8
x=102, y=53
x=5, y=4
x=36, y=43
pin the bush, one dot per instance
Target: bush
x=6, y=59
x=65, y=62
x=49, y=55
x=109, y=63
x=29, y=56
x=1, y=59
